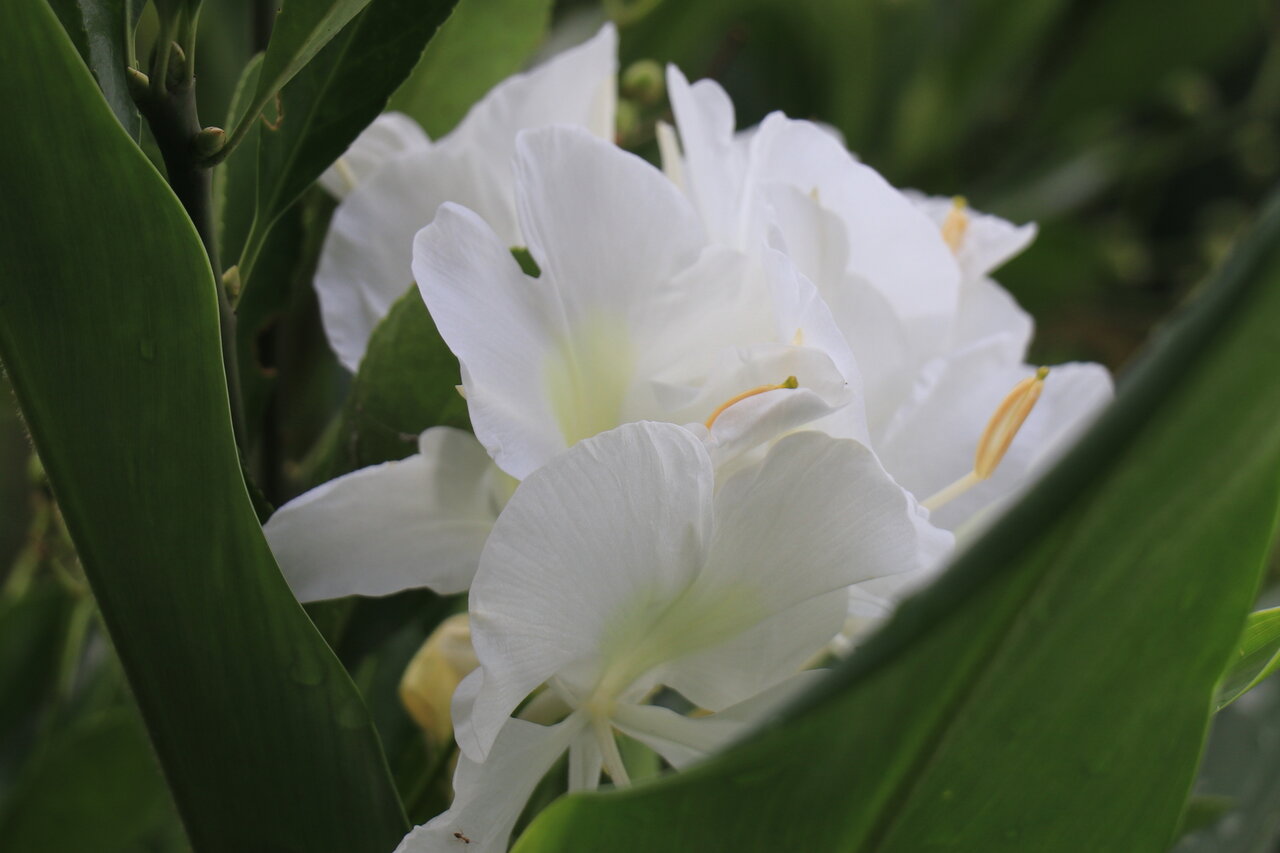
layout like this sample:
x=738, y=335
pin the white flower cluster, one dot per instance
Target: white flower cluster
x=741, y=399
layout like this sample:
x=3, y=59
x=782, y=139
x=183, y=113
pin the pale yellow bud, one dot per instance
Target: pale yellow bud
x=427, y=686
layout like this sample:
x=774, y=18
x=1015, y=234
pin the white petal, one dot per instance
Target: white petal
x=601, y=223
x=489, y=796
x=934, y=438
x=892, y=245
x=575, y=88
x=1073, y=396
x=421, y=521
x=390, y=135
x=365, y=262
x=681, y=740
x=988, y=310
x=493, y=318
x=714, y=162
x=818, y=515
x=761, y=656
x=587, y=546
x=988, y=241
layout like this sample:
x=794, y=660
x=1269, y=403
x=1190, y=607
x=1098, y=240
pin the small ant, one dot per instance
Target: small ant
x=462, y=838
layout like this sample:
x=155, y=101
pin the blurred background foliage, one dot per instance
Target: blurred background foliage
x=1140, y=134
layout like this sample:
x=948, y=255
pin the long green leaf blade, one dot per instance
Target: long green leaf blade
x=109, y=332
x=332, y=99
x=1051, y=692
x=301, y=30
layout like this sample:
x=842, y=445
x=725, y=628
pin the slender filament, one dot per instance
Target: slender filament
x=789, y=382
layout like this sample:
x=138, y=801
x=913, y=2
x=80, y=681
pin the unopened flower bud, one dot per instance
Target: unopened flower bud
x=626, y=120
x=210, y=141
x=642, y=81
x=434, y=673
x=139, y=84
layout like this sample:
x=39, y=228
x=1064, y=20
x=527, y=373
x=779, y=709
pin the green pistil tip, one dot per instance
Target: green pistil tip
x=792, y=382
x=1041, y=373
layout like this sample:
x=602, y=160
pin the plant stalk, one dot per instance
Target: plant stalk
x=170, y=111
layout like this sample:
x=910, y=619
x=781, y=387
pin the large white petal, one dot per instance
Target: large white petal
x=818, y=515
x=390, y=135
x=988, y=310
x=421, y=521
x=575, y=88
x=490, y=795
x=494, y=319
x=892, y=245
x=365, y=261
x=605, y=227
x=589, y=548
x=761, y=656
x=715, y=164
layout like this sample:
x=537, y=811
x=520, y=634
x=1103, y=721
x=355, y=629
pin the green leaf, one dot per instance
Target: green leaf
x=302, y=28
x=31, y=630
x=235, y=180
x=407, y=382
x=96, y=788
x=109, y=332
x=102, y=31
x=1051, y=691
x=1257, y=656
x=481, y=44
x=331, y=100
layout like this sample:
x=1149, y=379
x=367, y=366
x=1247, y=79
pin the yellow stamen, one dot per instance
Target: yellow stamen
x=956, y=223
x=789, y=382
x=996, y=438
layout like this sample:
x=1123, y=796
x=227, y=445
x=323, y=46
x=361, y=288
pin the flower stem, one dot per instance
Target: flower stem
x=169, y=107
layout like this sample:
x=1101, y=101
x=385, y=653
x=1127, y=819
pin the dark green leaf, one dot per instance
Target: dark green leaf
x=1051, y=691
x=101, y=31
x=235, y=181
x=96, y=788
x=302, y=29
x=407, y=382
x=482, y=43
x=332, y=99
x=109, y=332
x=1257, y=656
x=31, y=630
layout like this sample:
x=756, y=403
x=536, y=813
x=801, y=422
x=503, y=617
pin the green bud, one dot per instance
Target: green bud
x=139, y=84
x=642, y=81
x=210, y=141
x=627, y=120
x=231, y=283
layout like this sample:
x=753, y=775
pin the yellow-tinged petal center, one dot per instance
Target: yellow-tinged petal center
x=588, y=376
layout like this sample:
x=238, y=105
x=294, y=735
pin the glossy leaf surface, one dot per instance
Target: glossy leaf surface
x=109, y=333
